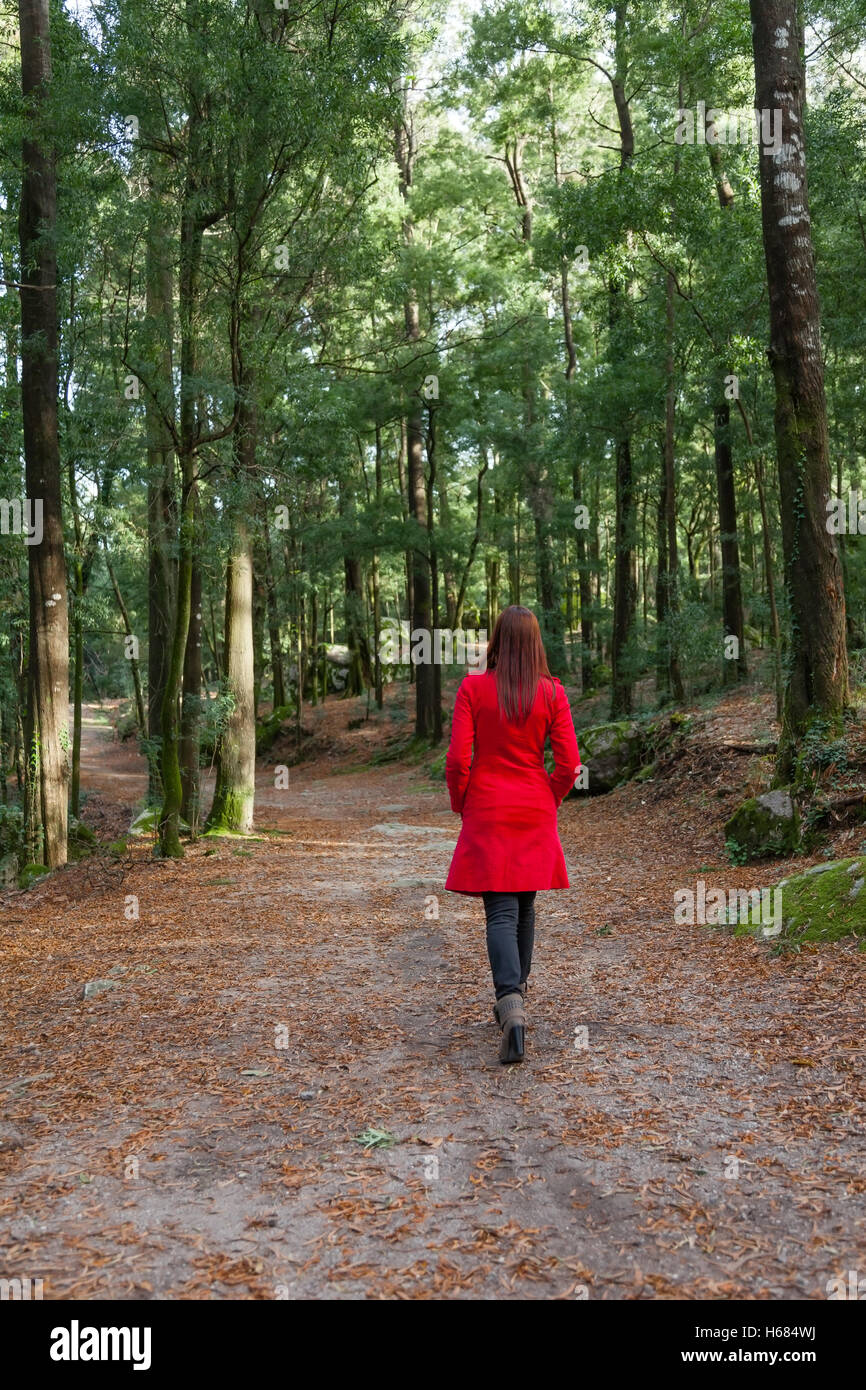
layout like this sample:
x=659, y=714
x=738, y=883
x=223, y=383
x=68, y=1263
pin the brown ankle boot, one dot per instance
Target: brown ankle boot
x=511, y=1017
x=522, y=988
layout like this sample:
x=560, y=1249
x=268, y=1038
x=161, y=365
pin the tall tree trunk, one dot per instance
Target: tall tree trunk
x=584, y=581
x=8, y=443
x=234, y=793
x=625, y=573
x=161, y=507
x=422, y=601
x=191, y=235
x=403, y=489
x=732, y=593
x=434, y=573
x=818, y=665
x=669, y=578
x=425, y=684
x=48, y=659
x=316, y=662
x=77, y=685
x=583, y=576
x=663, y=669
x=377, y=597
x=669, y=494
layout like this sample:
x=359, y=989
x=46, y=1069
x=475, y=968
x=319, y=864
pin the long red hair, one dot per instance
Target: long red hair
x=516, y=653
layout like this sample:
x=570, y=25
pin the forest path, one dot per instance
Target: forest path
x=702, y=1139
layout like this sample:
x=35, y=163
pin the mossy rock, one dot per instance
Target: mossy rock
x=765, y=827
x=31, y=873
x=826, y=903
x=611, y=754
x=269, y=730
x=117, y=848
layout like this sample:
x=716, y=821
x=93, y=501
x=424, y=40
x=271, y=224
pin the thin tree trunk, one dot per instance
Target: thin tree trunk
x=434, y=573
x=669, y=493
x=127, y=627
x=771, y=586
x=191, y=706
x=513, y=551
x=360, y=668
x=161, y=504
x=818, y=665
x=732, y=594
x=448, y=574
x=48, y=670
x=190, y=246
x=460, y=597
x=403, y=489
x=663, y=631
x=625, y=575
x=77, y=686
x=273, y=623
x=235, y=789
x=377, y=597
x=425, y=685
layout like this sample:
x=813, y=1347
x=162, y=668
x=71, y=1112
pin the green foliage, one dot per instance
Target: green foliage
x=823, y=757
x=736, y=854
x=12, y=837
x=329, y=292
x=30, y=874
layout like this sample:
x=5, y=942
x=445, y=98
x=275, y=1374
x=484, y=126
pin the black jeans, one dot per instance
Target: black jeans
x=510, y=937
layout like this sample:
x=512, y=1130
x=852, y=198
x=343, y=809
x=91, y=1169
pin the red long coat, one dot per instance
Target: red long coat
x=508, y=842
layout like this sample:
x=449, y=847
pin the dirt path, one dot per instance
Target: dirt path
x=193, y=1131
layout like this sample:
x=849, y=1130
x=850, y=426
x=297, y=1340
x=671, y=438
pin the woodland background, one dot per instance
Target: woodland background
x=322, y=317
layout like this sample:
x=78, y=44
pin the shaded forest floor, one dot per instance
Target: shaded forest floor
x=156, y=1141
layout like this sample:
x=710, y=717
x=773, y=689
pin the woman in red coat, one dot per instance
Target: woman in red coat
x=509, y=847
